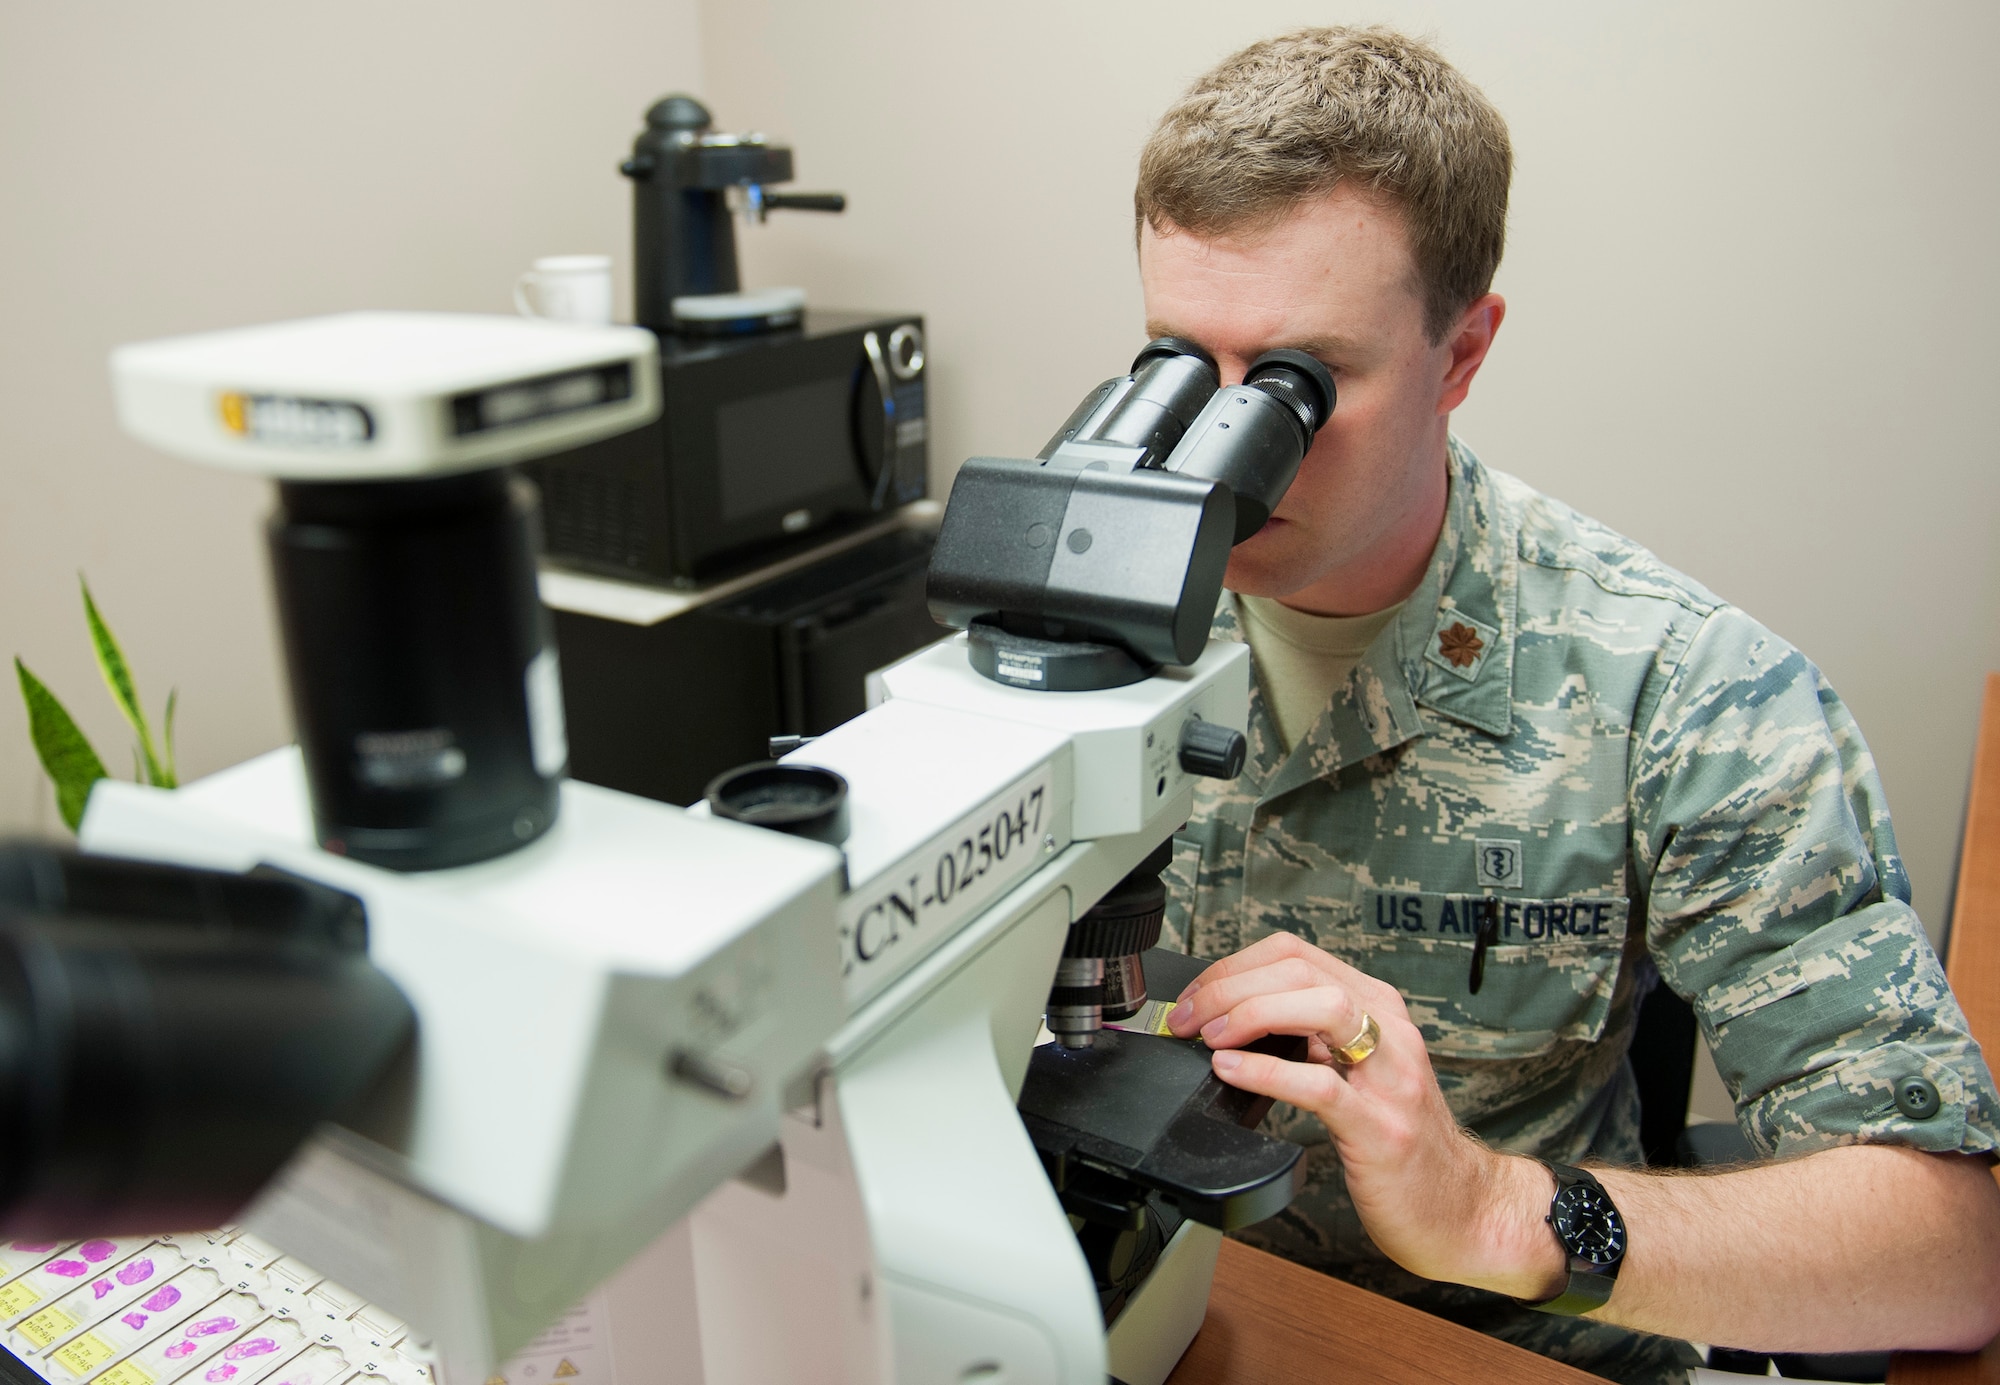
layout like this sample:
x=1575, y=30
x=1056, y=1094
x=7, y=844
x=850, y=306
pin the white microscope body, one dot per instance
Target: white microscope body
x=916, y=1236
x=910, y=1232
x=804, y=1062
x=608, y=1015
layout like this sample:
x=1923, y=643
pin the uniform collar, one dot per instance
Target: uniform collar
x=1457, y=633
x=1451, y=650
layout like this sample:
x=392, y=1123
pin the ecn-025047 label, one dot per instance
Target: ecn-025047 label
x=907, y=910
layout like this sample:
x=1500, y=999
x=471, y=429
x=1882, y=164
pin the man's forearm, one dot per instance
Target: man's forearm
x=1856, y=1248
x=1860, y=1248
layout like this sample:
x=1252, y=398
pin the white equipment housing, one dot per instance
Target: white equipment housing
x=619, y=1019
x=607, y=1019
x=916, y=1237
x=555, y=1129
x=382, y=395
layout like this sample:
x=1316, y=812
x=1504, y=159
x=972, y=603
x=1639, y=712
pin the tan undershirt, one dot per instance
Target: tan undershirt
x=1302, y=658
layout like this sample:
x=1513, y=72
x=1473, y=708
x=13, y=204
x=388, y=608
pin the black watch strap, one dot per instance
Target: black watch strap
x=1590, y=1283
x=1585, y=1292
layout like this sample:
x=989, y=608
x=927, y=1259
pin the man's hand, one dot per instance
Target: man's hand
x=1436, y=1201
x=1909, y=1257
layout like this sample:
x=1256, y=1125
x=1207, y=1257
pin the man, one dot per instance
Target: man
x=1507, y=771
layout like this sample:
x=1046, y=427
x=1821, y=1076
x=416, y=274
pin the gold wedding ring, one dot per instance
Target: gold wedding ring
x=1362, y=1044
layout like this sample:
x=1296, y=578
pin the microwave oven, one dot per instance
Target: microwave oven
x=765, y=443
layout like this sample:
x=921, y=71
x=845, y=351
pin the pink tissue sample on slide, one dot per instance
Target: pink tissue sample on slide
x=178, y=1350
x=95, y=1251
x=219, y=1374
x=68, y=1269
x=101, y=1288
x=137, y=1272
x=208, y=1327
x=36, y=1247
x=135, y=1321
x=162, y=1299
x=256, y=1346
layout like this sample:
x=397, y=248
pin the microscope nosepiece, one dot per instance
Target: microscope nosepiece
x=1100, y=976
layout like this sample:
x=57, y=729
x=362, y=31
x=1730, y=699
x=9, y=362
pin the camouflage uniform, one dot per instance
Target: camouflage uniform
x=1640, y=782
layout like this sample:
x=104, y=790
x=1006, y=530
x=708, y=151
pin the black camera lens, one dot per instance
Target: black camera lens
x=422, y=666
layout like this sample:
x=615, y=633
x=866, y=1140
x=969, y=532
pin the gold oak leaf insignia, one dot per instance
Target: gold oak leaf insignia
x=1460, y=645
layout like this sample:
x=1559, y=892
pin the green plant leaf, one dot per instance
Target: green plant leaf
x=65, y=752
x=167, y=740
x=118, y=678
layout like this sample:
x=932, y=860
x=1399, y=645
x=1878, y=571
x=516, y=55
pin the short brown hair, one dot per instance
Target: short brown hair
x=1284, y=120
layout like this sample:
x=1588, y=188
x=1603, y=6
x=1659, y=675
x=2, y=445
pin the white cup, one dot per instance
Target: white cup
x=566, y=288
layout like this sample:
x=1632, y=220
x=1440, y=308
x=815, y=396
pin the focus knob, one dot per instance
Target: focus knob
x=1211, y=749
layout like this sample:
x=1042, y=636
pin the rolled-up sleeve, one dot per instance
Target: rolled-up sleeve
x=1777, y=905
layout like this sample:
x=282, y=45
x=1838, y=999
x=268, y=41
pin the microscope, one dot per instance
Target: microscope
x=610, y=996
x=880, y=1094
x=910, y=1235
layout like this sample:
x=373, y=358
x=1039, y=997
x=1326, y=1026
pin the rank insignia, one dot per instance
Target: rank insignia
x=1461, y=644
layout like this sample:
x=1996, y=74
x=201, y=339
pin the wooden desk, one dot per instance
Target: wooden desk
x=1272, y=1323
x=1972, y=961
x=1972, y=953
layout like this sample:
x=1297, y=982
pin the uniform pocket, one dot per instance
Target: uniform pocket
x=1546, y=975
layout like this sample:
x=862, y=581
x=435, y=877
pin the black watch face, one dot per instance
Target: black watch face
x=1588, y=1225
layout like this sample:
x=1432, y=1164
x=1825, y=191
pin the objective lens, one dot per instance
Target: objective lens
x=1100, y=976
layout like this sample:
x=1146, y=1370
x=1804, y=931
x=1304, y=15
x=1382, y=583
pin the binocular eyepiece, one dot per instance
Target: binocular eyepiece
x=1171, y=414
x=1102, y=559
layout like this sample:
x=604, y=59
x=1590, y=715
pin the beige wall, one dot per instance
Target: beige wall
x=1749, y=276
x=1751, y=279
x=169, y=168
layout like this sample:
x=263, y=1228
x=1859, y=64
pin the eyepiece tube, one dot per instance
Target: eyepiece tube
x=1253, y=436
x=1297, y=381
x=1171, y=381
x=1163, y=348
x=1149, y=411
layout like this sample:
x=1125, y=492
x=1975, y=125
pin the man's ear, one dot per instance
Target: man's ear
x=1468, y=342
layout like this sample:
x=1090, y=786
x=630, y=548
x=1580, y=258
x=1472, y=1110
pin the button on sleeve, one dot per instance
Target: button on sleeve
x=1776, y=902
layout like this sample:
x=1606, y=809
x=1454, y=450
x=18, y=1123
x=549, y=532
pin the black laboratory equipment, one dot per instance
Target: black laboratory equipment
x=660, y=709
x=422, y=676
x=1101, y=560
x=169, y=1036
x=1138, y=1134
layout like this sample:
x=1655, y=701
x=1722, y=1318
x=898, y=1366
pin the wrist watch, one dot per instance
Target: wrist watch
x=1592, y=1235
